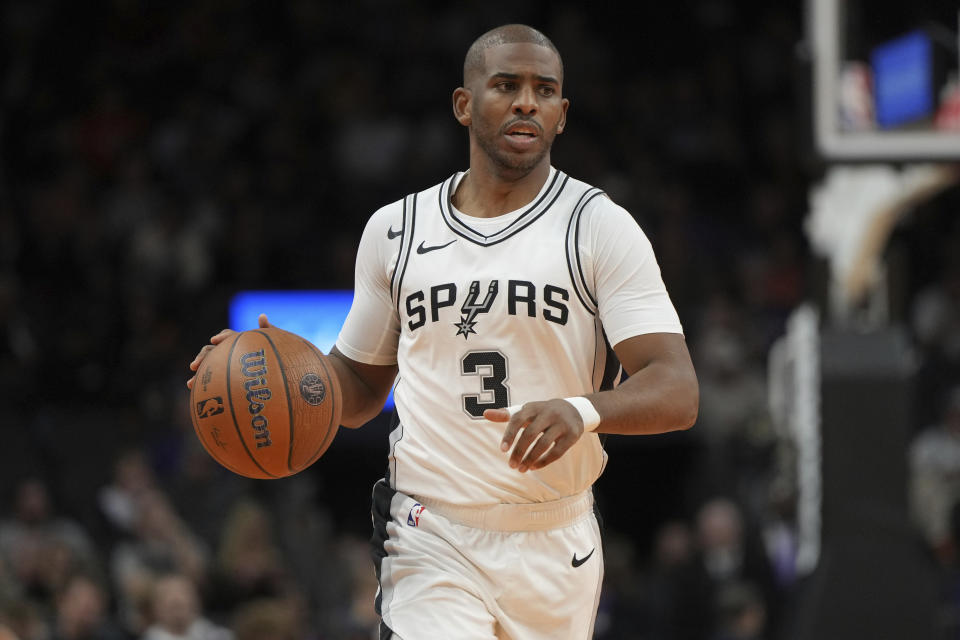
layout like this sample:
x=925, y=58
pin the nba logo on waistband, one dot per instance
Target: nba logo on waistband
x=413, y=518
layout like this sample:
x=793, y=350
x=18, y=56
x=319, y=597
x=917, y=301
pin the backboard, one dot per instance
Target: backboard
x=885, y=79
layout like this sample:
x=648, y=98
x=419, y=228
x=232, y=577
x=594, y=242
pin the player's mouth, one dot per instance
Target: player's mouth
x=522, y=135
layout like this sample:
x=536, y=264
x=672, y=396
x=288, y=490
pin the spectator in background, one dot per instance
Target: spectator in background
x=741, y=613
x=359, y=620
x=41, y=547
x=935, y=322
x=734, y=424
x=82, y=612
x=321, y=560
x=673, y=551
x=726, y=554
x=25, y=619
x=936, y=309
x=268, y=619
x=201, y=489
x=779, y=532
x=19, y=349
x=638, y=599
x=162, y=544
x=621, y=611
x=950, y=582
x=249, y=563
x=176, y=613
x=120, y=500
x=934, y=467
x=10, y=588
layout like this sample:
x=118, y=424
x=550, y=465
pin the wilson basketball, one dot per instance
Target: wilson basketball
x=265, y=403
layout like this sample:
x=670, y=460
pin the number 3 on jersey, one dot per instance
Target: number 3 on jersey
x=491, y=366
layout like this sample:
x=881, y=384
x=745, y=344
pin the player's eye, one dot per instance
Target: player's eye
x=547, y=90
x=506, y=86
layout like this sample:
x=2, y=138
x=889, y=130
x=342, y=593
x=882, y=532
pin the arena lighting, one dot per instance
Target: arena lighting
x=316, y=315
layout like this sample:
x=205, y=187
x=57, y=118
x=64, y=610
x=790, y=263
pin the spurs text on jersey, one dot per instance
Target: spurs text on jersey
x=522, y=297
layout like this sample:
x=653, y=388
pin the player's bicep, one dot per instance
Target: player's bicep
x=638, y=352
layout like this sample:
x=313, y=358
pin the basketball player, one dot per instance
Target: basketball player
x=494, y=295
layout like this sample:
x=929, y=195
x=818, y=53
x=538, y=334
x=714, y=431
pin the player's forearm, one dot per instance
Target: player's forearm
x=363, y=394
x=663, y=396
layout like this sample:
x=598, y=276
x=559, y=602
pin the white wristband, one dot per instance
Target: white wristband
x=591, y=419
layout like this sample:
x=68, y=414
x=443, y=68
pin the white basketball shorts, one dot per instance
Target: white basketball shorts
x=517, y=572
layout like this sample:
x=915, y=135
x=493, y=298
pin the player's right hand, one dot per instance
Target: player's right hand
x=214, y=341
x=538, y=432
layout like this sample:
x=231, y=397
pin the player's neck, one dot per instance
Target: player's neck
x=486, y=194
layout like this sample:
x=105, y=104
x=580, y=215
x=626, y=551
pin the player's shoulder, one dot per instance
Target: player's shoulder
x=598, y=205
x=603, y=220
x=387, y=215
x=594, y=195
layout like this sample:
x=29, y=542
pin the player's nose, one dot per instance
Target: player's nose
x=525, y=102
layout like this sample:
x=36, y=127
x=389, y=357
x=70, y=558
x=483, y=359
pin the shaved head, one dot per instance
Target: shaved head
x=506, y=34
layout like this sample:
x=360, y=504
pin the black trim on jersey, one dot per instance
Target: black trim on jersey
x=394, y=425
x=613, y=375
x=403, y=226
x=386, y=633
x=612, y=371
x=576, y=243
x=573, y=252
x=528, y=217
x=380, y=514
x=597, y=512
x=611, y=368
x=406, y=246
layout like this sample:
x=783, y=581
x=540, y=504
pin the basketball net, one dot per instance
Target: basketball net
x=853, y=212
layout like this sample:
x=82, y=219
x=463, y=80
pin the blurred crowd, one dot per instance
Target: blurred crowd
x=159, y=157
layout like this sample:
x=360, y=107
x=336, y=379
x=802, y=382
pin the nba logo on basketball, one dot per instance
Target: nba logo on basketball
x=413, y=518
x=210, y=407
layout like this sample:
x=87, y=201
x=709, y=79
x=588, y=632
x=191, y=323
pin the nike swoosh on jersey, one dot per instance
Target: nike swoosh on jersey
x=424, y=249
x=391, y=234
x=576, y=562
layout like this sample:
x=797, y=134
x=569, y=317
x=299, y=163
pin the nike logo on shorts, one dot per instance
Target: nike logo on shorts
x=576, y=562
x=391, y=234
x=422, y=249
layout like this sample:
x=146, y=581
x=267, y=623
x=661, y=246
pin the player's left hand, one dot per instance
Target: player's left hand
x=552, y=427
x=214, y=341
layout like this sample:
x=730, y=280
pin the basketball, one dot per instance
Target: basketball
x=266, y=403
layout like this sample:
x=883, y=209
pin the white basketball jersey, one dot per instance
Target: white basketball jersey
x=488, y=313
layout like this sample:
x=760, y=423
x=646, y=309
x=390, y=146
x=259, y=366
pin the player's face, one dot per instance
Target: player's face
x=516, y=108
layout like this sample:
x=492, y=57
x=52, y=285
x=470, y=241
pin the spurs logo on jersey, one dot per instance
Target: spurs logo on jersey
x=471, y=308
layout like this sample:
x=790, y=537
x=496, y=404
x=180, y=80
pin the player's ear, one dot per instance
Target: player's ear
x=461, y=106
x=564, y=105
